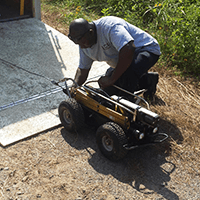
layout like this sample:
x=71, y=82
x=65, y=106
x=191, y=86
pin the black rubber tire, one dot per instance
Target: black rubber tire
x=71, y=115
x=110, y=139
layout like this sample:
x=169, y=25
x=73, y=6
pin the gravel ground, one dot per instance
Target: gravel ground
x=62, y=165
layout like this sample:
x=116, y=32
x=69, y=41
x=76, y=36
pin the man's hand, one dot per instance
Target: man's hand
x=72, y=91
x=125, y=58
x=105, y=81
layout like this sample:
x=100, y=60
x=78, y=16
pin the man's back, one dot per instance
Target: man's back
x=112, y=34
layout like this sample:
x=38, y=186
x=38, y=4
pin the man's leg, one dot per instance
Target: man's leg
x=136, y=76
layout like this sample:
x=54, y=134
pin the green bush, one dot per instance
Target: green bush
x=174, y=23
x=178, y=34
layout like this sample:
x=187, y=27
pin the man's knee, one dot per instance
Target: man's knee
x=147, y=79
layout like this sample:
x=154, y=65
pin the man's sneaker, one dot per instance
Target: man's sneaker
x=152, y=83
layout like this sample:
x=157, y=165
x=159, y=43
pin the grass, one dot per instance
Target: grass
x=65, y=13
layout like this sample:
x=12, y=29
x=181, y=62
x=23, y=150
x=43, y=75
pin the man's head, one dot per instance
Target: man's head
x=82, y=32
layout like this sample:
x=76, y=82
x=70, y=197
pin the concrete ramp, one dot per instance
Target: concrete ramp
x=38, y=48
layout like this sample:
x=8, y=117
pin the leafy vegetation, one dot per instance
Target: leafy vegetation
x=174, y=23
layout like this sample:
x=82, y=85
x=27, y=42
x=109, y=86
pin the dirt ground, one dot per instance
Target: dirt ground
x=57, y=164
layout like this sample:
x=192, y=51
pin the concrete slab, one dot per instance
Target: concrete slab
x=39, y=48
x=28, y=127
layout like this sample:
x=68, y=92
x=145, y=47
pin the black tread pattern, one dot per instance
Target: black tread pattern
x=76, y=112
x=119, y=137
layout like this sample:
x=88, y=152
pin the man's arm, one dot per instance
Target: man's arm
x=126, y=55
x=81, y=76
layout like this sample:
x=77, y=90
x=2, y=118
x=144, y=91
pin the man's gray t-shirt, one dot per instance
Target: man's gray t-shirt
x=112, y=34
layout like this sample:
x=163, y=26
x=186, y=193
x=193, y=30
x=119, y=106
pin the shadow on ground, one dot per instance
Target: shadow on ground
x=145, y=169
